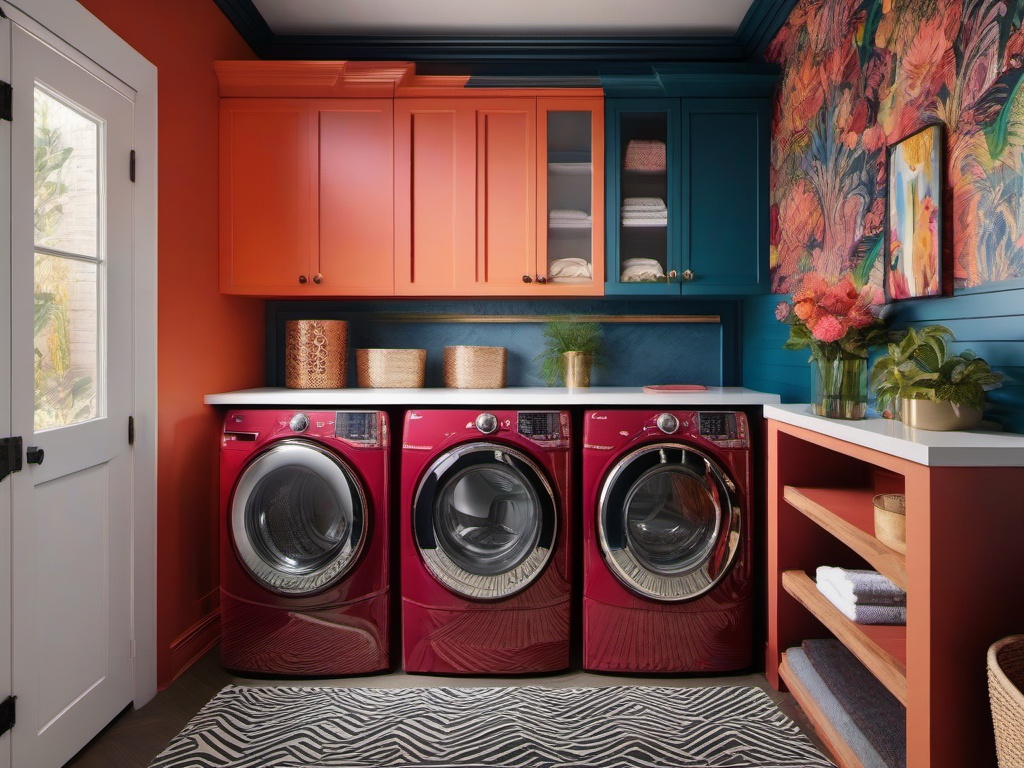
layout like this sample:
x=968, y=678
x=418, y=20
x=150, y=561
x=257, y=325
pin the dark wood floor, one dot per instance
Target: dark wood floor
x=139, y=735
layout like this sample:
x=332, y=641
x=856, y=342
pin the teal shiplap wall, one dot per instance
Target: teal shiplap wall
x=636, y=353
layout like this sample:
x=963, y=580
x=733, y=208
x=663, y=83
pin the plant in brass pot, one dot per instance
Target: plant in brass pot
x=571, y=349
x=929, y=387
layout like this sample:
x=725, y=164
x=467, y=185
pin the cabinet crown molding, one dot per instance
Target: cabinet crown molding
x=311, y=79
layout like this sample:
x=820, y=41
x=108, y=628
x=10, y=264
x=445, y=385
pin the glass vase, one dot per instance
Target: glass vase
x=839, y=388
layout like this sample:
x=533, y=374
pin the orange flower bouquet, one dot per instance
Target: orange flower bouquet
x=839, y=322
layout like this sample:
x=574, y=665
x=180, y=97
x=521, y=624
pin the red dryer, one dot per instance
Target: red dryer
x=484, y=541
x=667, y=571
x=304, y=542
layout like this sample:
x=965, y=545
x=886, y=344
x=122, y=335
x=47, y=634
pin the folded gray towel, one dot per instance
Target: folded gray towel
x=861, y=612
x=832, y=708
x=876, y=712
x=868, y=587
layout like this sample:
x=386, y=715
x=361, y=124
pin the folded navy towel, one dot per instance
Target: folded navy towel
x=876, y=712
x=863, y=613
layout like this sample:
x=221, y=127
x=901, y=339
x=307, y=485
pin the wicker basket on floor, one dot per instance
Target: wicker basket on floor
x=474, y=367
x=1006, y=696
x=391, y=368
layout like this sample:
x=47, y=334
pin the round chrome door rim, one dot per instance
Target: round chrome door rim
x=628, y=569
x=480, y=586
x=309, y=455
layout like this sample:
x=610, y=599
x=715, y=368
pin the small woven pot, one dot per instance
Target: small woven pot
x=315, y=354
x=391, y=368
x=474, y=367
x=1006, y=697
x=891, y=520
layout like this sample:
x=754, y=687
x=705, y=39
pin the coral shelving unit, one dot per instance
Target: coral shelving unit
x=963, y=570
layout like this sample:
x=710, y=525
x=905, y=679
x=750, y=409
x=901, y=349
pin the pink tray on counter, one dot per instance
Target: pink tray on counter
x=660, y=389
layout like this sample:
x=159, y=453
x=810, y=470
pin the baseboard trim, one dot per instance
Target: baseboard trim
x=193, y=644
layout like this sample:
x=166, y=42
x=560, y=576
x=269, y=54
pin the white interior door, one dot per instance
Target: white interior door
x=5, y=390
x=71, y=395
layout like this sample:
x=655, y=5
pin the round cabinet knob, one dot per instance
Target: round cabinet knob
x=687, y=274
x=672, y=273
x=541, y=279
x=667, y=423
x=527, y=279
x=318, y=278
x=299, y=422
x=302, y=279
x=486, y=423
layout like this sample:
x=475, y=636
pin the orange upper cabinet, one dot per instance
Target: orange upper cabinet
x=473, y=179
x=307, y=197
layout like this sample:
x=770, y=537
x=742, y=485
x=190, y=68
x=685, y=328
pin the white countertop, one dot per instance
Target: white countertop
x=598, y=397
x=970, y=448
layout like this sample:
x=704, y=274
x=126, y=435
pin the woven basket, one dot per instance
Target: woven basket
x=315, y=354
x=1005, y=683
x=645, y=155
x=474, y=367
x=891, y=520
x=391, y=368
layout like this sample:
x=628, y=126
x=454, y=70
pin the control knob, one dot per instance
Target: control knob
x=486, y=423
x=667, y=423
x=299, y=422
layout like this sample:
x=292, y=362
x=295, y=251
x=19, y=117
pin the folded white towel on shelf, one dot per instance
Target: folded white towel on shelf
x=639, y=270
x=863, y=613
x=569, y=267
x=643, y=202
x=565, y=213
x=645, y=213
x=861, y=587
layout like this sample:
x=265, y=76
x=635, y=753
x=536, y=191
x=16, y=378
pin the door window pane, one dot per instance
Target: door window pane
x=570, y=197
x=68, y=269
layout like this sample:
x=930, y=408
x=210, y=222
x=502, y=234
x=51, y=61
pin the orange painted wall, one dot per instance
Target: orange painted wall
x=206, y=342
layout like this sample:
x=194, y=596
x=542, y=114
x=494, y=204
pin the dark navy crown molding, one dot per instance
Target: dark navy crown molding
x=506, y=55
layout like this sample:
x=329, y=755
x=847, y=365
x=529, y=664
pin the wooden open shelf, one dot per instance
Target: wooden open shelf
x=836, y=744
x=849, y=515
x=882, y=648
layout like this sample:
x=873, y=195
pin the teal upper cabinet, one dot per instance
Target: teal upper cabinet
x=687, y=176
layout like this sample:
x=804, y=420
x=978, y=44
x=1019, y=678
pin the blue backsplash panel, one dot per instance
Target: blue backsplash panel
x=635, y=353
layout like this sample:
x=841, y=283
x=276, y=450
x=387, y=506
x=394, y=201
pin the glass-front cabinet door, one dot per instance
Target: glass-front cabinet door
x=570, y=185
x=643, y=200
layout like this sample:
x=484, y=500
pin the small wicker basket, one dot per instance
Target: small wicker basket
x=315, y=354
x=891, y=520
x=474, y=367
x=391, y=368
x=1005, y=686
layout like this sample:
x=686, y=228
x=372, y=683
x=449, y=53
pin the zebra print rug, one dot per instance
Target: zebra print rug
x=506, y=727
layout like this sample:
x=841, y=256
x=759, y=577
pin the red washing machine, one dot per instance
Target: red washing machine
x=667, y=573
x=484, y=541
x=304, y=542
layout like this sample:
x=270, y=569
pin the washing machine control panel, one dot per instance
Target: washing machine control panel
x=540, y=426
x=357, y=426
x=725, y=428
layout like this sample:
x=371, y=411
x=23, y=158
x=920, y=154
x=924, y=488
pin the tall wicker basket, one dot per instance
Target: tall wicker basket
x=474, y=367
x=315, y=354
x=1006, y=695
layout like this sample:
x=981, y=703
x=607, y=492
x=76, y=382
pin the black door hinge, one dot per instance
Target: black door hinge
x=6, y=102
x=7, y=714
x=131, y=430
x=131, y=166
x=10, y=456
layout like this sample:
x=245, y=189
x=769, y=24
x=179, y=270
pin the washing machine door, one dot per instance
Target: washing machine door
x=669, y=524
x=485, y=520
x=298, y=518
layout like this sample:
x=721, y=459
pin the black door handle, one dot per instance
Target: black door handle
x=34, y=455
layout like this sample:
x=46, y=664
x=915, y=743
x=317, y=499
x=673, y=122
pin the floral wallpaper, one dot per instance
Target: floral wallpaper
x=859, y=76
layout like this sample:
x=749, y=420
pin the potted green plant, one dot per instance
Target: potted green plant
x=571, y=350
x=929, y=387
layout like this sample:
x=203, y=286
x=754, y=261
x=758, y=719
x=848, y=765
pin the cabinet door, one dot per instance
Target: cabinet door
x=725, y=213
x=643, y=182
x=356, y=198
x=505, y=222
x=570, y=196
x=435, y=196
x=267, y=196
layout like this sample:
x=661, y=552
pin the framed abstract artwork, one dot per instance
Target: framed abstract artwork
x=913, y=243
